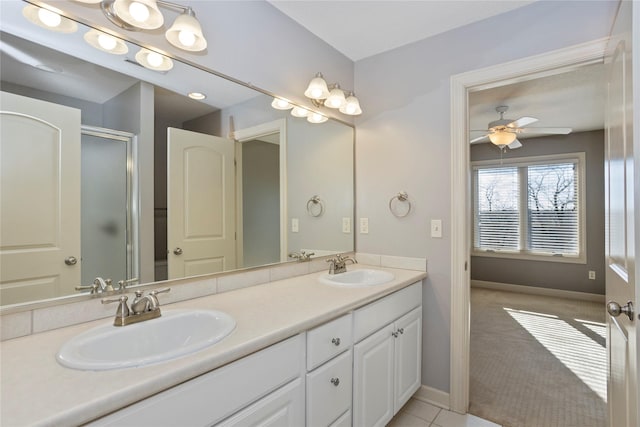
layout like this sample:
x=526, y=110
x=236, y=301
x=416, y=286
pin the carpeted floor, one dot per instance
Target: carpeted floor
x=537, y=361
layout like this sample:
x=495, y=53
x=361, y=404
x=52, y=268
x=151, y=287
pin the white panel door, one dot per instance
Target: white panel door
x=408, y=357
x=620, y=200
x=200, y=204
x=373, y=379
x=39, y=199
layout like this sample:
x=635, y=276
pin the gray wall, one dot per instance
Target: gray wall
x=403, y=139
x=555, y=275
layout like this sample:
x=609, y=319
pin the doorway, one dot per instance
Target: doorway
x=461, y=85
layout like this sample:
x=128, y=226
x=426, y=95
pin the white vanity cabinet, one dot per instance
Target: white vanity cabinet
x=265, y=388
x=329, y=380
x=387, y=356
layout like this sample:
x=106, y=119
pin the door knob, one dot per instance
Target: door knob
x=615, y=309
x=177, y=251
x=71, y=260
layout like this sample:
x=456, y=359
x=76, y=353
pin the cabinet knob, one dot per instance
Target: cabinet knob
x=401, y=330
x=336, y=341
x=395, y=334
x=335, y=381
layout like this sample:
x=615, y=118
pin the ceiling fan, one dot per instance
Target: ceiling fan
x=503, y=132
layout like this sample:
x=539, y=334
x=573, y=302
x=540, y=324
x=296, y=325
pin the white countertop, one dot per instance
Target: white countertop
x=36, y=390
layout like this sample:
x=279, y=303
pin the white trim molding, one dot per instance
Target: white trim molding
x=537, y=66
x=433, y=396
x=536, y=290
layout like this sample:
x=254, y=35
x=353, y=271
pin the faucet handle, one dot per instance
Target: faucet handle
x=122, y=284
x=161, y=291
x=93, y=287
x=123, y=308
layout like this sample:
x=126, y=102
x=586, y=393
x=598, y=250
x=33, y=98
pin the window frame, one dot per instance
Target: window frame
x=521, y=163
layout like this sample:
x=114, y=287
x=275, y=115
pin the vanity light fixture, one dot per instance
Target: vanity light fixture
x=281, y=104
x=315, y=117
x=105, y=42
x=300, y=112
x=197, y=95
x=185, y=33
x=502, y=138
x=320, y=95
x=153, y=60
x=48, y=19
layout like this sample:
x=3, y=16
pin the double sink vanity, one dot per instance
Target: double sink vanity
x=318, y=349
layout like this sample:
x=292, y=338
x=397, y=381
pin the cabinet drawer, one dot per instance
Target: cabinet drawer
x=328, y=340
x=374, y=316
x=329, y=391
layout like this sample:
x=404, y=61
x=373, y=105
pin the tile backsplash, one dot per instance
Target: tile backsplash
x=17, y=324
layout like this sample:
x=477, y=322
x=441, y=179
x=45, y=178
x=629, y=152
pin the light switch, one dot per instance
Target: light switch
x=295, y=225
x=364, y=225
x=436, y=228
x=346, y=225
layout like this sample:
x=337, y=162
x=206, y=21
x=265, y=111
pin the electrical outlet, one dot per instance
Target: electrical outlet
x=346, y=225
x=592, y=275
x=364, y=225
x=436, y=228
x=295, y=225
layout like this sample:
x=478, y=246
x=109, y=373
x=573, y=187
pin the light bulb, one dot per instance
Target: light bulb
x=187, y=38
x=316, y=118
x=48, y=18
x=299, y=112
x=107, y=42
x=139, y=11
x=154, y=59
x=281, y=104
x=502, y=137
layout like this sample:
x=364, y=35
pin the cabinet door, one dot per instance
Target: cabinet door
x=373, y=379
x=408, y=357
x=284, y=407
x=329, y=391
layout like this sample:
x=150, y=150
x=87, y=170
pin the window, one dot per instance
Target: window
x=529, y=208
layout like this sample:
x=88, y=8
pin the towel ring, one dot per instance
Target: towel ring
x=401, y=197
x=312, y=206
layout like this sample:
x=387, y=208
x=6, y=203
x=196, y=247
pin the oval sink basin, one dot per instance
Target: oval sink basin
x=176, y=333
x=355, y=278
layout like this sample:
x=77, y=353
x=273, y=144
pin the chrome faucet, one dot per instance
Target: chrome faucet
x=142, y=308
x=301, y=256
x=339, y=264
x=98, y=286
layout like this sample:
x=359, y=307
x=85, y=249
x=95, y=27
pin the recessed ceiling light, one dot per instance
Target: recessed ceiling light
x=197, y=95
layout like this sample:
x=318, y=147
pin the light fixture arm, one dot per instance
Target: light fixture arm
x=107, y=7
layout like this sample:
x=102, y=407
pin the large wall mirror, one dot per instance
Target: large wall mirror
x=109, y=170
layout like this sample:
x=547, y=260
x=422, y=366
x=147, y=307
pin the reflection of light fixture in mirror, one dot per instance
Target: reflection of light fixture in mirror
x=185, y=33
x=351, y=106
x=47, y=19
x=314, y=117
x=153, y=60
x=197, y=95
x=300, y=112
x=501, y=137
x=320, y=96
x=281, y=104
x=105, y=42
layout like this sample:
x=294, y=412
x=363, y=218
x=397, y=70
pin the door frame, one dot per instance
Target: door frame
x=247, y=134
x=542, y=65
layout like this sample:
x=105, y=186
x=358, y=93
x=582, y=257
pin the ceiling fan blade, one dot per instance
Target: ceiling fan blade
x=553, y=131
x=479, y=139
x=515, y=144
x=522, y=121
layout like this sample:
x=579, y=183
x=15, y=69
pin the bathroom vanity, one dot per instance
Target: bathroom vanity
x=302, y=353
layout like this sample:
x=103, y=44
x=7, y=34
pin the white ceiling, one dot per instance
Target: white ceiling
x=362, y=28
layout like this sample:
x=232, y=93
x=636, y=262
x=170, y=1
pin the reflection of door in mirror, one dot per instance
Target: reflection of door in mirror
x=200, y=204
x=40, y=199
x=108, y=247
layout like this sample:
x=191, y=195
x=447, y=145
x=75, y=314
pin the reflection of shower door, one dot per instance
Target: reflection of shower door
x=200, y=204
x=109, y=205
x=40, y=194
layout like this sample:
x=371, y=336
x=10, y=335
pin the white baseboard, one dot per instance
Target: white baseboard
x=534, y=290
x=432, y=396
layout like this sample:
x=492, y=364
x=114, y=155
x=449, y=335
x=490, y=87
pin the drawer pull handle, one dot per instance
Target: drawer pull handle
x=401, y=330
x=336, y=341
x=335, y=381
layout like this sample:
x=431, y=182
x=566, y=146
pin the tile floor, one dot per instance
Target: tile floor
x=417, y=413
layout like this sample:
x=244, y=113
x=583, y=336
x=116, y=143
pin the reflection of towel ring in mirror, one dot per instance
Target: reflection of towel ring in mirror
x=312, y=206
x=401, y=197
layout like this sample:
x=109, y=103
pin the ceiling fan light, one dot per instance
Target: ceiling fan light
x=186, y=33
x=142, y=14
x=502, y=138
x=281, y=104
x=351, y=106
x=48, y=19
x=105, y=42
x=317, y=88
x=300, y=112
x=314, y=117
x=153, y=60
